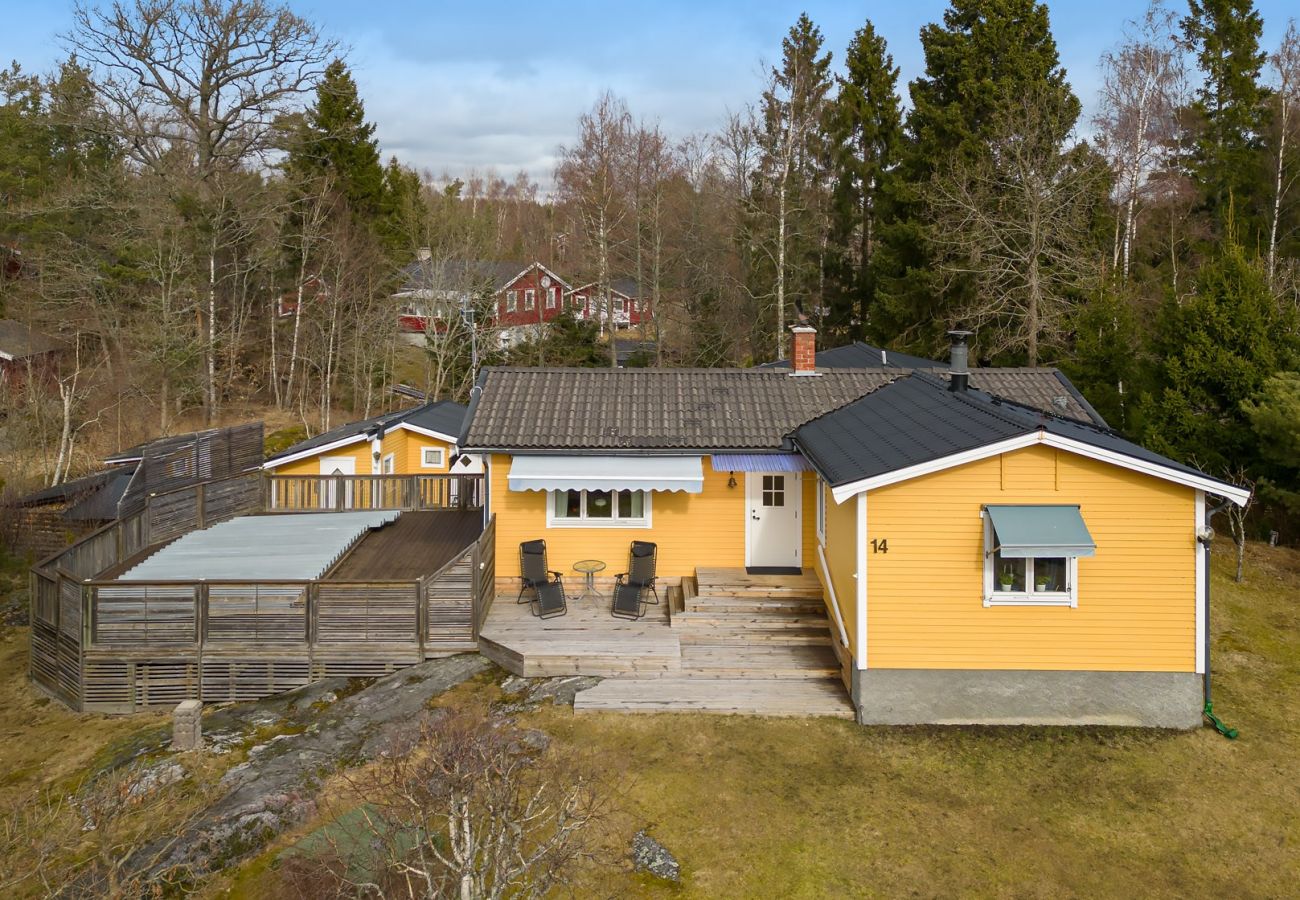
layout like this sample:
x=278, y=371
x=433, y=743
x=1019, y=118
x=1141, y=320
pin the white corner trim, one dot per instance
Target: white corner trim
x=1237, y=495
x=1201, y=574
x=861, y=656
x=314, y=451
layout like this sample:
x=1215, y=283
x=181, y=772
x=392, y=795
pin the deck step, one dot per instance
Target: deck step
x=711, y=603
x=737, y=696
x=747, y=620
x=714, y=637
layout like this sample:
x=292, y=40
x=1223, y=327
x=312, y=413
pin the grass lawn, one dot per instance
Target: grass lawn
x=820, y=807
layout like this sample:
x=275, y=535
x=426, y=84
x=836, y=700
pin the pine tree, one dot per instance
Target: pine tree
x=987, y=55
x=865, y=137
x=1230, y=105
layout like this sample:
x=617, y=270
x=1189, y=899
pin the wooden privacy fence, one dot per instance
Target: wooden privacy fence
x=323, y=493
x=117, y=646
x=58, y=589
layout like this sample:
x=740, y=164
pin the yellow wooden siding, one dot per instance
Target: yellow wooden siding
x=360, y=453
x=406, y=447
x=842, y=561
x=705, y=529
x=1137, y=596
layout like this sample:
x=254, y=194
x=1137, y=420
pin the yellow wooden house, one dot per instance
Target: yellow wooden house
x=421, y=440
x=986, y=549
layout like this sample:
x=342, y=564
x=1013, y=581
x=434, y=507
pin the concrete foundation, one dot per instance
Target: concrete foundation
x=1013, y=697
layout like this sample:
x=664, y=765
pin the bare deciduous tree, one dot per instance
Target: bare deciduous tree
x=463, y=806
x=1018, y=219
x=1286, y=126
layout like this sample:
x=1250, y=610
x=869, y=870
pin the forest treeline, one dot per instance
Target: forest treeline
x=195, y=169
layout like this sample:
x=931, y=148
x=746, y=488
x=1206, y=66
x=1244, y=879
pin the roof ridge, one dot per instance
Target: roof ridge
x=897, y=377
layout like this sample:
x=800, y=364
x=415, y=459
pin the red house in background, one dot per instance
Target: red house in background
x=624, y=304
x=26, y=353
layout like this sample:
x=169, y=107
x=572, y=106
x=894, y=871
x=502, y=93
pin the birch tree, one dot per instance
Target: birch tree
x=1144, y=87
x=1285, y=64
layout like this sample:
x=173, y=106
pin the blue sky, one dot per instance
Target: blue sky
x=456, y=85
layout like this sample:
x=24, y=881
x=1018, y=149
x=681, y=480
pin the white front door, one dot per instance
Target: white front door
x=773, y=509
x=336, y=465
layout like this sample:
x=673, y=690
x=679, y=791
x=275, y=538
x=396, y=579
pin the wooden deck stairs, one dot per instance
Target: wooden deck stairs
x=757, y=644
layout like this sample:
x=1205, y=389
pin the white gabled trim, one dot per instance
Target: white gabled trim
x=1231, y=492
x=529, y=268
x=1237, y=495
x=427, y=432
x=1201, y=574
x=860, y=658
x=844, y=492
x=304, y=454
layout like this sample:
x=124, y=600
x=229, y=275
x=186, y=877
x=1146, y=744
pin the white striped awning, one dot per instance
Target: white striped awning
x=607, y=473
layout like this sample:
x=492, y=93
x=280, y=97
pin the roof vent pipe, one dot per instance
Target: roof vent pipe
x=959, y=371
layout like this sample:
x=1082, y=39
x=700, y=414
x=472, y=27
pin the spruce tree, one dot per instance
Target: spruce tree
x=1230, y=106
x=986, y=56
x=864, y=127
x=1216, y=350
x=335, y=140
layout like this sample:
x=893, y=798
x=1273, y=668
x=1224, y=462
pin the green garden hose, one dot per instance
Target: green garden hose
x=1229, y=733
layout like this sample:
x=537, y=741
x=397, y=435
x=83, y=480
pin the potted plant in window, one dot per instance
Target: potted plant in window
x=1006, y=579
x=1042, y=583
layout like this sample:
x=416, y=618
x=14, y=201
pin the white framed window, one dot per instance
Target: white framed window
x=618, y=304
x=600, y=509
x=530, y=300
x=1027, y=581
x=389, y=464
x=821, y=512
x=433, y=457
x=552, y=298
x=512, y=301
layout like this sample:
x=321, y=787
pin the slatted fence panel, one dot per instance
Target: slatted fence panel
x=257, y=614
x=45, y=598
x=144, y=615
x=109, y=685
x=173, y=514
x=45, y=656
x=449, y=607
x=367, y=612
x=240, y=677
x=233, y=497
x=485, y=588
x=165, y=682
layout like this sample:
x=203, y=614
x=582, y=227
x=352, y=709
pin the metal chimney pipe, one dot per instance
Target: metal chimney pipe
x=958, y=370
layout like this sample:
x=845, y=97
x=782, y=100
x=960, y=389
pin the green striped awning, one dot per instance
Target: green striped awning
x=1027, y=531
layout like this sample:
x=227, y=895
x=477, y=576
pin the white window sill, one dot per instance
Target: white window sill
x=597, y=523
x=1011, y=598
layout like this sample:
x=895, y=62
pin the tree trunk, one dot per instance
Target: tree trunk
x=780, y=262
x=1285, y=109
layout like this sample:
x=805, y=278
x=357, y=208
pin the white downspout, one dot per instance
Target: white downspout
x=861, y=656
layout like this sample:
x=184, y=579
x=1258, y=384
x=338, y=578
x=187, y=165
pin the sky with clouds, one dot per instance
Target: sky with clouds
x=455, y=85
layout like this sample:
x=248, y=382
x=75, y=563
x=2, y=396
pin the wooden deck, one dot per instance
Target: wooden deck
x=757, y=645
x=417, y=544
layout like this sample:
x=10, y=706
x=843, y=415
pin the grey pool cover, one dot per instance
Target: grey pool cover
x=265, y=548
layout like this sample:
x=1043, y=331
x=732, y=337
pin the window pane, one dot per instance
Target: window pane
x=1008, y=574
x=600, y=505
x=630, y=504
x=1051, y=574
x=568, y=504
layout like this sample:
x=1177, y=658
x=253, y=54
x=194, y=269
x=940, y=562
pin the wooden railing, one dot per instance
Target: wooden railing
x=324, y=493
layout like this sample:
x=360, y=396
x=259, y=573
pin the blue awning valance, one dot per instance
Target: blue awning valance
x=760, y=462
x=607, y=473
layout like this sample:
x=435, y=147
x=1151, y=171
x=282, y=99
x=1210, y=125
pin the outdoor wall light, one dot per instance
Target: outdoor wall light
x=731, y=482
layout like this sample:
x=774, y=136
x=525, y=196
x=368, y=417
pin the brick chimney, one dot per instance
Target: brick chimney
x=803, y=352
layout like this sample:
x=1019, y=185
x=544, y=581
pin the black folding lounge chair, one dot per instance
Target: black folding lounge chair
x=546, y=585
x=632, y=586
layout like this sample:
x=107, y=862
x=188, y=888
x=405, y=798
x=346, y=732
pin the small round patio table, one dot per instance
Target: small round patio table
x=589, y=567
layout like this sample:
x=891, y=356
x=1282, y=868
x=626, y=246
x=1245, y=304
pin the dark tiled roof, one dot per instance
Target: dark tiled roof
x=460, y=275
x=74, y=488
x=916, y=419
x=443, y=416
x=1042, y=388
x=654, y=409
x=17, y=341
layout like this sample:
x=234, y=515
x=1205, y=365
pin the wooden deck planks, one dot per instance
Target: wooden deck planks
x=740, y=696
x=415, y=545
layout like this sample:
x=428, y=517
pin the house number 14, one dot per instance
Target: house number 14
x=880, y=545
